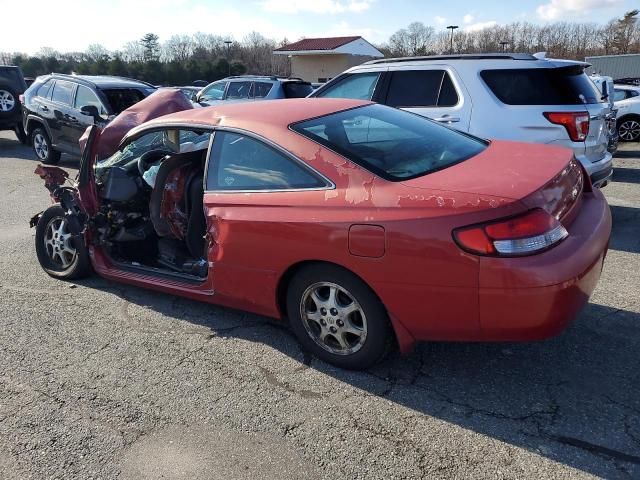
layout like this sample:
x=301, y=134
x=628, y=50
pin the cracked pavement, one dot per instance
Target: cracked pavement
x=106, y=381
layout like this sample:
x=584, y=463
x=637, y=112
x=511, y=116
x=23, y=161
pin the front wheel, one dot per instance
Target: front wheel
x=629, y=129
x=59, y=255
x=337, y=317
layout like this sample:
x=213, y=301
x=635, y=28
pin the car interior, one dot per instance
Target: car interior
x=151, y=213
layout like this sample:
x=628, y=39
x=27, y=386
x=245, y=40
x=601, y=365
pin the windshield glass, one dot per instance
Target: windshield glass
x=122, y=98
x=171, y=141
x=391, y=143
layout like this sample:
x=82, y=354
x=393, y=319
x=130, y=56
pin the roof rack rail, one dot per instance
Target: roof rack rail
x=466, y=56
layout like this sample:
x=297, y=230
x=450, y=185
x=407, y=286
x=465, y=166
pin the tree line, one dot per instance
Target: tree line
x=181, y=59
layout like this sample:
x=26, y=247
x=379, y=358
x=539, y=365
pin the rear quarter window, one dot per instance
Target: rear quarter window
x=542, y=86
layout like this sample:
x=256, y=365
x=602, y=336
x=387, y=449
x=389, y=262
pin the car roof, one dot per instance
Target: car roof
x=105, y=81
x=473, y=61
x=256, y=116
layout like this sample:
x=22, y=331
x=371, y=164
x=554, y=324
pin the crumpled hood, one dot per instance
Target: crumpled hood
x=159, y=103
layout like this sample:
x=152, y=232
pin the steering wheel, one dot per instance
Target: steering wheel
x=148, y=158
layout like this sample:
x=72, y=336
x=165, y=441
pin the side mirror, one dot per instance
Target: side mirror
x=90, y=111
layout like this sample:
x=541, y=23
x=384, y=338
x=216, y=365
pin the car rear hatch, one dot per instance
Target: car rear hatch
x=554, y=99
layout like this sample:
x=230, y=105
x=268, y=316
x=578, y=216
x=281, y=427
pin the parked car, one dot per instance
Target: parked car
x=627, y=101
x=245, y=88
x=605, y=85
x=12, y=85
x=58, y=108
x=504, y=96
x=362, y=224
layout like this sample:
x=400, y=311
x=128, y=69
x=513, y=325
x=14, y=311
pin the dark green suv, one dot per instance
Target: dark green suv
x=12, y=85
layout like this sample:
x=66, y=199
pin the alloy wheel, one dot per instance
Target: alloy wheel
x=333, y=318
x=629, y=130
x=7, y=101
x=58, y=243
x=40, y=146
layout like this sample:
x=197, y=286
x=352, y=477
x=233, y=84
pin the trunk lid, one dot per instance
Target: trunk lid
x=505, y=169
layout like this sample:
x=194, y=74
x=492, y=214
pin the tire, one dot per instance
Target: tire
x=57, y=254
x=629, y=129
x=9, y=101
x=41, y=144
x=22, y=136
x=352, y=340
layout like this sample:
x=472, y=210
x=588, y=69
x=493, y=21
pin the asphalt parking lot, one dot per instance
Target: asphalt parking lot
x=104, y=381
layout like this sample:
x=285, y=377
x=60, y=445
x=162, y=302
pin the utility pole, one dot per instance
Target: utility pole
x=228, y=44
x=504, y=45
x=452, y=28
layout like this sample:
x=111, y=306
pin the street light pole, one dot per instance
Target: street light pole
x=452, y=28
x=228, y=44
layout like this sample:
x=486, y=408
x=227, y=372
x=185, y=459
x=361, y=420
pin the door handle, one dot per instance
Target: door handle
x=447, y=119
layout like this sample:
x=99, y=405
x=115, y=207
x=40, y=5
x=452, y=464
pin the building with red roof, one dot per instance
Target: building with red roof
x=320, y=59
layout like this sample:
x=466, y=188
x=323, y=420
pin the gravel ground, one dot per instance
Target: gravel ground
x=105, y=381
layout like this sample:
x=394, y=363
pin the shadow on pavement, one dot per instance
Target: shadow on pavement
x=626, y=229
x=14, y=149
x=574, y=399
x=628, y=153
x=626, y=175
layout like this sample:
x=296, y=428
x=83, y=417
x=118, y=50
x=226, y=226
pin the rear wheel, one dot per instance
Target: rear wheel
x=337, y=317
x=41, y=144
x=59, y=255
x=629, y=129
x=8, y=101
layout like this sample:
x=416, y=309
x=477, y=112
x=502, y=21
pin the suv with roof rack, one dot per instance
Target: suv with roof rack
x=244, y=88
x=12, y=85
x=503, y=96
x=58, y=108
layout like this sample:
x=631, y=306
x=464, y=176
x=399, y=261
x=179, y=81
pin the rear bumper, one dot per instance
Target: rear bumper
x=532, y=298
x=600, y=171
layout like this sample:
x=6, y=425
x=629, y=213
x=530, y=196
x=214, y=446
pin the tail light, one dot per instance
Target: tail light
x=525, y=234
x=576, y=123
x=21, y=98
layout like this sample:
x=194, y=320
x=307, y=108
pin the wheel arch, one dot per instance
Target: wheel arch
x=34, y=122
x=402, y=337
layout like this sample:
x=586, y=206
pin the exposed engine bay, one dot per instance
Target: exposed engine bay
x=151, y=202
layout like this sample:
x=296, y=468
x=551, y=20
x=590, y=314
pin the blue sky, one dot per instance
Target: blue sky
x=77, y=23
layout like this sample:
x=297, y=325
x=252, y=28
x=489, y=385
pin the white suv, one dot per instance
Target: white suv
x=627, y=101
x=504, y=96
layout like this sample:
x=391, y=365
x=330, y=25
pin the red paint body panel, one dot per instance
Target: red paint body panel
x=397, y=237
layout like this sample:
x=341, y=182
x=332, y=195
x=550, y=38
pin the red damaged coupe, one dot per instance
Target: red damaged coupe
x=361, y=224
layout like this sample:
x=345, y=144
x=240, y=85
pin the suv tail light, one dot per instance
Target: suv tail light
x=576, y=123
x=21, y=98
x=524, y=234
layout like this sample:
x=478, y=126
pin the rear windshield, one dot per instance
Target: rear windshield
x=122, y=98
x=394, y=144
x=14, y=76
x=296, y=89
x=542, y=86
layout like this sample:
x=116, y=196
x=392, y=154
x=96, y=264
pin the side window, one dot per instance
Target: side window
x=632, y=93
x=63, y=92
x=618, y=95
x=45, y=89
x=85, y=97
x=239, y=162
x=261, y=89
x=358, y=85
x=238, y=90
x=421, y=88
x=214, y=92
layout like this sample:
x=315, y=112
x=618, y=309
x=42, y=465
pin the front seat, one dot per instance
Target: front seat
x=197, y=223
x=160, y=223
